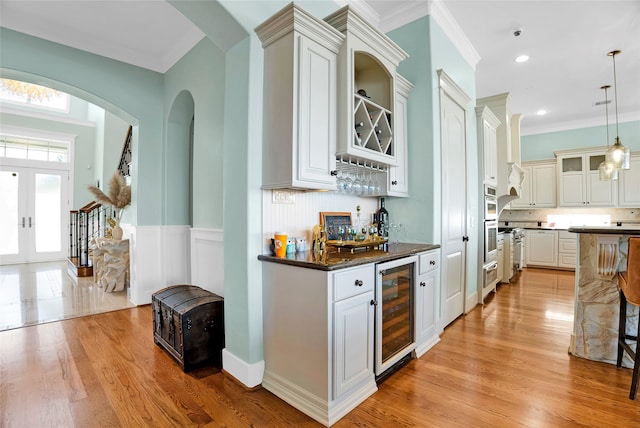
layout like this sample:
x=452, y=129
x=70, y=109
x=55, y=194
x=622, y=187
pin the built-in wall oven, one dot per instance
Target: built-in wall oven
x=490, y=240
x=490, y=203
x=394, y=319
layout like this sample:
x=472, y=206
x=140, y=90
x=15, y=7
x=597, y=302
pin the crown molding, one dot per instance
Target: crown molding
x=577, y=124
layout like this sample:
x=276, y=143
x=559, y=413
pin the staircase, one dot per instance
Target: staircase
x=91, y=221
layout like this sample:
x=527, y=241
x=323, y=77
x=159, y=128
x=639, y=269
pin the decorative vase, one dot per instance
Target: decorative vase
x=116, y=233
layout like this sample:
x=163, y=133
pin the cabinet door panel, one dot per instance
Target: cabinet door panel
x=628, y=188
x=542, y=247
x=426, y=308
x=601, y=193
x=572, y=189
x=544, y=186
x=317, y=100
x=353, y=339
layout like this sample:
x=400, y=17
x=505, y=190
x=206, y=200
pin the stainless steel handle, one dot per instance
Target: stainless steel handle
x=29, y=222
x=23, y=222
x=358, y=283
x=492, y=268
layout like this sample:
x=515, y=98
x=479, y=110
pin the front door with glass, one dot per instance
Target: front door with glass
x=34, y=217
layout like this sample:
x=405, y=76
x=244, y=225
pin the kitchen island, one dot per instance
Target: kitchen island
x=324, y=321
x=601, y=255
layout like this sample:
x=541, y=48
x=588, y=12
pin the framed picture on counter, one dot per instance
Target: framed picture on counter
x=332, y=222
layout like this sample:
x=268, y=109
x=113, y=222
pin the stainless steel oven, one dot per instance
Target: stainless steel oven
x=490, y=240
x=489, y=274
x=490, y=203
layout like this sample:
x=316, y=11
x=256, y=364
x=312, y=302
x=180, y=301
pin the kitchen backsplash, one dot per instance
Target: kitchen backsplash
x=576, y=216
x=295, y=213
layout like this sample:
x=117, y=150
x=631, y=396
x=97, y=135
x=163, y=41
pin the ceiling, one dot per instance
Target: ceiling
x=567, y=42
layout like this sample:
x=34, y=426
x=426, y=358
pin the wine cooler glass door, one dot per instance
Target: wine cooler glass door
x=394, y=312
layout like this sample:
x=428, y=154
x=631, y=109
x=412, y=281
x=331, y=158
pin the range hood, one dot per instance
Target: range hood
x=510, y=182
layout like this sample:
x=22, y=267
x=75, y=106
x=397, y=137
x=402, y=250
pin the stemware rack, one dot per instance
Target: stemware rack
x=370, y=176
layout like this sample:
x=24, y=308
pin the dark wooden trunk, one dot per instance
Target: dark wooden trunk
x=188, y=322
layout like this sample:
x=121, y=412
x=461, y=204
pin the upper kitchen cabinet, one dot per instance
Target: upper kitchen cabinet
x=510, y=175
x=398, y=176
x=487, y=124
x=628, y=189
x=368, y=125
x=579, y=183
x=539, y=187
x=300, y=98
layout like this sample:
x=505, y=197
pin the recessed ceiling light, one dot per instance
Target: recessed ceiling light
x=541, y=112
x=522, y=58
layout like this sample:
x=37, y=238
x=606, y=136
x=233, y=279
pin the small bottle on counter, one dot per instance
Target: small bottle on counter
x=383, y=220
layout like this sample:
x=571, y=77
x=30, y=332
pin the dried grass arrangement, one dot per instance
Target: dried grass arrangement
x=119, y=198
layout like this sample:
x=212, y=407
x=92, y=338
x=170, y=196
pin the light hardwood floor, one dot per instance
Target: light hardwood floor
x=504, y=364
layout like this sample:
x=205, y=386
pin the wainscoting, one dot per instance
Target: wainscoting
x=169, y=255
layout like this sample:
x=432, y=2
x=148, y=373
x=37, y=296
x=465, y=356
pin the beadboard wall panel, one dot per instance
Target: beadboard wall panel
x=297, y=217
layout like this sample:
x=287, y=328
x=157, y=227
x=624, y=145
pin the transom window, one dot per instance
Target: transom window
x=18, y=92
x=32, y=149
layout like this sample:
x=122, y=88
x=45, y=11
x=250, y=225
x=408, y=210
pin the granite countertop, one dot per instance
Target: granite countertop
x=334, y=260
x=613, y=230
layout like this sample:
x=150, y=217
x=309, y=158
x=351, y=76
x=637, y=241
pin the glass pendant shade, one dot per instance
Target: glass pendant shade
x=607, y=171
x=616, y=154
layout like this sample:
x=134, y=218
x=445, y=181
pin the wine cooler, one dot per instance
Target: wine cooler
x=394, y=331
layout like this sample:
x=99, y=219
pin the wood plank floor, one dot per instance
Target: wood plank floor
x=505, y=364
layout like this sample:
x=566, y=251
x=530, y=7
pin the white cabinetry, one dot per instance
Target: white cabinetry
x=300, y=98
x=367, y=61
x=539, y=187
x=353, y=328
x=579, y=183
x=398, y=176
x=318, y=338
x=629, y=184
x=427, y=298
x=567, y=244
x=541, y=248
x=487, y=124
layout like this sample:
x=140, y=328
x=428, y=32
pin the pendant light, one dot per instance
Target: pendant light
x=607, y=168
x=618, y=154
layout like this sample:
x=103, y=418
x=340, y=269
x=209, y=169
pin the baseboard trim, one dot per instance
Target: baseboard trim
x=250, y=375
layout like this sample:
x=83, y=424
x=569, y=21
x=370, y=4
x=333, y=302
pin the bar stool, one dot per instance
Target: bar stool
x=629, y=283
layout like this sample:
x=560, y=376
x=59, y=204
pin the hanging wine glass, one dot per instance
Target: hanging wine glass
x=356, y=188
x=340, y=180
x=348, y=183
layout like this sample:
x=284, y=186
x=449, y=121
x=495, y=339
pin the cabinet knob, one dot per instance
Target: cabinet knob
x=359, y=282
x=432, y=262
x=373, y=302
x=394, y=183
x=334, y=172
x=423, y=284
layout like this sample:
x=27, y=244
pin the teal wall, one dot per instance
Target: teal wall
x=430, y=50
x=542, y=146
x=84, y=149
x=132, y=93
x=201, y=72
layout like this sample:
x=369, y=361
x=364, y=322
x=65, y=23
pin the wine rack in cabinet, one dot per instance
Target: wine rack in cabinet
x=372, y=129
x=367, y=64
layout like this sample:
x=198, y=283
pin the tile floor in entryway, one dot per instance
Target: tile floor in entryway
x=36, y=293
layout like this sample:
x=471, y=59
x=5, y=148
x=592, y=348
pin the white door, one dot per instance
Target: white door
x=454, y=212
x=34, y=218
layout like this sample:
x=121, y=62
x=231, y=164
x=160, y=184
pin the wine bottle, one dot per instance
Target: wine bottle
x=383, y=220
x=359, y=124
